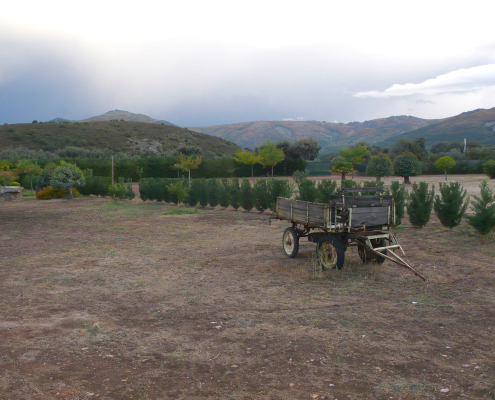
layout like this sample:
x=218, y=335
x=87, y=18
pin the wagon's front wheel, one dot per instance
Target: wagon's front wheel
x=367, y=256
x=330, y=253
x=290, y=242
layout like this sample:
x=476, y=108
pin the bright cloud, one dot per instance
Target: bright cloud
x=460, y=81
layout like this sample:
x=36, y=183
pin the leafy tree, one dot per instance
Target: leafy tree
x=406, y=165
x=483, y=206
x=342, y=167
x=416, y=146
x=180, y=190
x=6, y=174
x=380, y=165
x=247, y=200
x=450, y=206
x=186, y=163
x=420, y=204
x=66, y=176
x=445, y=163
x=307, y=149
x=117, y=191
x=29, y=168
x=350, y=158
x=300, y=176
x=399, y=195
x=489, y=168
x=270, y=155
x=248, y=158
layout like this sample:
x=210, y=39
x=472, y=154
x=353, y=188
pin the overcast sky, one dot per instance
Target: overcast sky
x=215, y=62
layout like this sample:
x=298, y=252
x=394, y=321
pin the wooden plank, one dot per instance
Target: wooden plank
x=370, y=216
x=362, y=190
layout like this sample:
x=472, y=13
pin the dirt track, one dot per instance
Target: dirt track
x=122, y=302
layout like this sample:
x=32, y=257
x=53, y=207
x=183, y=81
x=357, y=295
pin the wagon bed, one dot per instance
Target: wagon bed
x=348, y=220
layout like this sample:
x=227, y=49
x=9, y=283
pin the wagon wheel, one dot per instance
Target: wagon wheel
x=290, y=242
x=367, y=256
x=330, y=253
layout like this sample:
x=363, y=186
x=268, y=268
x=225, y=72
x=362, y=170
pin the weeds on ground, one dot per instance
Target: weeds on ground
x=181, y=211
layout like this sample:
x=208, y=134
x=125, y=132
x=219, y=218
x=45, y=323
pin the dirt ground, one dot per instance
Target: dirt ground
x=121, y=301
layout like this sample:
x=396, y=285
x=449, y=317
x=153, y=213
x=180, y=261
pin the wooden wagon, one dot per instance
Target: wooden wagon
x=350, y=219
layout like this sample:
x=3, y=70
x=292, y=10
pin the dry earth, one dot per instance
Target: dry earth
x=119, y=301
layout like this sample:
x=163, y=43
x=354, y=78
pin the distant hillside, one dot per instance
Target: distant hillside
x=329, y=135
x=119, y=136
x=472, y=125
x=126, y=116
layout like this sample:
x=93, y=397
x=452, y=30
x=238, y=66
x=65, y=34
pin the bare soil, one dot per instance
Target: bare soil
x=119, y=301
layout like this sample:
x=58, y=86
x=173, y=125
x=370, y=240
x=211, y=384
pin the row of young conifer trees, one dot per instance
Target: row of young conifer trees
x=450, y=205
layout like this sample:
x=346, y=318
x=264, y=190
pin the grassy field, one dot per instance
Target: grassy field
x=130, y=301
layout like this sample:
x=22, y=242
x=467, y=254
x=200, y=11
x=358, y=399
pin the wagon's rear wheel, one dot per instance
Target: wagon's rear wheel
x=290, y=242
x=367, y=256
x=330, y=253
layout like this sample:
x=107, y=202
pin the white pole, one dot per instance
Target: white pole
x=112, y=170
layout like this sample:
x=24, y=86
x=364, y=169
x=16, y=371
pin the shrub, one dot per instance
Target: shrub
x=450, y=206
x=49, y=192
x=203, y=193
x=261, y=194
x=420, y=204
x=308, y=191
x=247, y=201
x=179, y=191
x=196, y=187
x=300, y=176
x=213, y=192
x=279, y=188
x=14, y=183
x=489, y=168
x=235, y=193
x=96, y=185
x=326, y=188
x=483, y=206
x=399, y=195
x=66, y=176
x=224, y=193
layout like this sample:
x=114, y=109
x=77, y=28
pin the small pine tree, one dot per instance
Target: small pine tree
x=308, y=191
x=399, y=195
x=247, y=200
x=450, y=206
x=483, y=206
x=489, y=168
x=235, y=193
x=224, y=193
x=261, y=192
x=326, y=188
x=279, y=188
x=213, y=192
x=193, y=198
x=202, y=187
x=420, y=204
